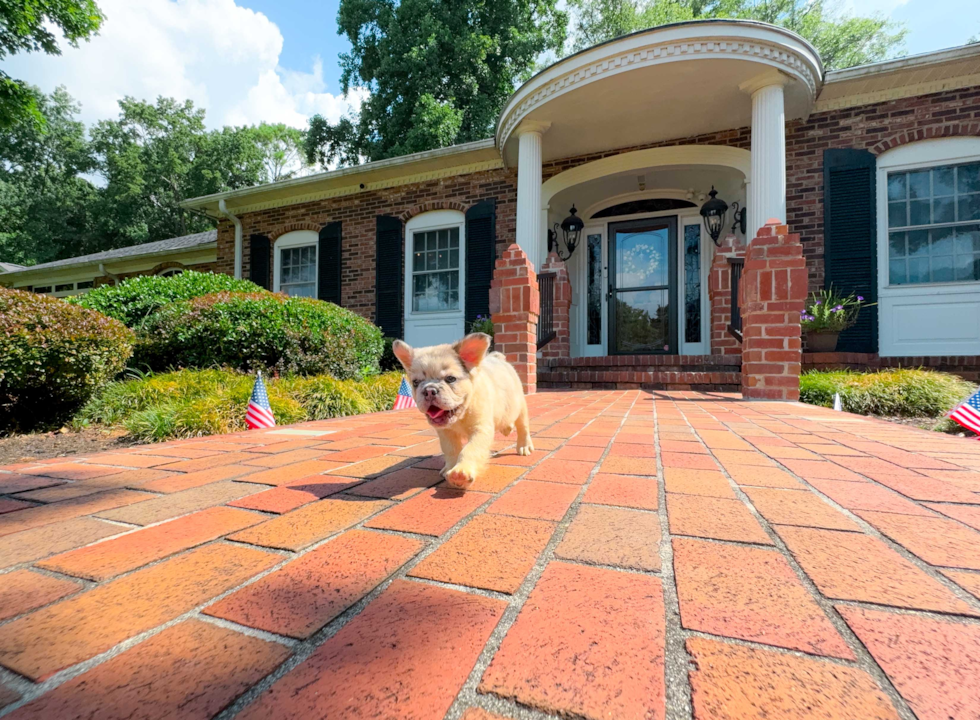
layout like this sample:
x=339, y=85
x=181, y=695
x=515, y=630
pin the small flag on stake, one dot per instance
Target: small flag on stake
x=967, y=413
x=259, y=413
x=404, y=397
x=838, y=405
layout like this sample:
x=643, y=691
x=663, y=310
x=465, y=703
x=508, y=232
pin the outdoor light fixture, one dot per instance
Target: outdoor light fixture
x=571, y=231
x=739, y=216
x=713, y=211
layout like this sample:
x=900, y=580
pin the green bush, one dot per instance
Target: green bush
x=135, y=299
x=902, y=392
x=249, y=331
x=191, y=403
x=53, y=357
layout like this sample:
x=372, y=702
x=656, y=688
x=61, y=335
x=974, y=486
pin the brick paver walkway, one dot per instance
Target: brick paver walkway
x=674, y=555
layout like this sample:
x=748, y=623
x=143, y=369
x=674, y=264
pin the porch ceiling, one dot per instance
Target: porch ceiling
x=670, y=82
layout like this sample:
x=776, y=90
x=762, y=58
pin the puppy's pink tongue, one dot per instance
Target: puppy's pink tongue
x=435, y=412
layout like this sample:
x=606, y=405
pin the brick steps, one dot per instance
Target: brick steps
x=708, y=373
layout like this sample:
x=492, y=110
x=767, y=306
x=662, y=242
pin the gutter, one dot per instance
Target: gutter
x=238, y=237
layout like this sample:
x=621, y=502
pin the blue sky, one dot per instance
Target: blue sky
x=248, y=61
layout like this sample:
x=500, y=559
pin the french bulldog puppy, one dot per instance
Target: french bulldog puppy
x=466, y=395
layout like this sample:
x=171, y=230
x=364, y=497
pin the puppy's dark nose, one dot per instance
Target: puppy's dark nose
x=430, y=392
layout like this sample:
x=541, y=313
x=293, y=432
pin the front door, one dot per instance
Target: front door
x=642, y=288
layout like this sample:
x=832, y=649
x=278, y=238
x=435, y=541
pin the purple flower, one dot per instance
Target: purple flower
x=818, y=302
x=860, y=299
x=838, y=308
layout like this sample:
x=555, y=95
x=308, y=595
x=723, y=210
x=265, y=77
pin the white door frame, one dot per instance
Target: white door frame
x=433, y=328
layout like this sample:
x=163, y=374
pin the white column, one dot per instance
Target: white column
x=529, y=191
x=767, y=183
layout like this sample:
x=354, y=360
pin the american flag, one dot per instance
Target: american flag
x=967, y=413
x=404, y=397
x=259, y=413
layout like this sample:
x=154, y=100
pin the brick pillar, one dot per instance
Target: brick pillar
x=560, y=347
x=774, y=285
x=514, y=309
x=720, y=295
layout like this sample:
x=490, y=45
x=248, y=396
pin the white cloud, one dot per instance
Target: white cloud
x=223, y=57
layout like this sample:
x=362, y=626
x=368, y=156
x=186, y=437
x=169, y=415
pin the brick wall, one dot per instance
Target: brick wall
x=966, y=366
x=876, y=127
x=358, y=213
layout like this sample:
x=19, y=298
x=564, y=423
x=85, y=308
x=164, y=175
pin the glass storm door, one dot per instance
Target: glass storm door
x=642, y=287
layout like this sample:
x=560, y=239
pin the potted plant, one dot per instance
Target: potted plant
x=484, y=325
x=826, y=315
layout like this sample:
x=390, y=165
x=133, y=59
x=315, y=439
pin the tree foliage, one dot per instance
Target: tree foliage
x=27, y=26
x=842, y=40
x=438, y=71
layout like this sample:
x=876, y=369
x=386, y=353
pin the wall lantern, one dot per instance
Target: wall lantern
x=571, y=231
x=713, y=211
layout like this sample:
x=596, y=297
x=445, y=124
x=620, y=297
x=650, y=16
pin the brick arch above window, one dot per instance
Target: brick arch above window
x=927, y=133
x=276, y=232
x=433, y=205
x=169, y=265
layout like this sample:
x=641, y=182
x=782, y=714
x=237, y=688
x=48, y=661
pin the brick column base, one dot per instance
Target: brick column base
x=560, y=347
x=720, y=295
x=774, y=286
x=514, y=309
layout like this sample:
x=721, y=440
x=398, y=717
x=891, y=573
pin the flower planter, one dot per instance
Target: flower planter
x=822, y=341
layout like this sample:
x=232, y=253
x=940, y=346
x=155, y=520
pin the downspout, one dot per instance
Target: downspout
x=238, y=237
x=106, y=273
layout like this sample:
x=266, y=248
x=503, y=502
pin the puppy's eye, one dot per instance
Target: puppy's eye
x=451, y=379
x=415, y=383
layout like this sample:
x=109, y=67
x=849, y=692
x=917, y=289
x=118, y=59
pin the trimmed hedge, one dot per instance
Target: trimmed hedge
x=135, y=299
x=191, y=403
x=252, y=331
x=53, y=357
x=902, y=392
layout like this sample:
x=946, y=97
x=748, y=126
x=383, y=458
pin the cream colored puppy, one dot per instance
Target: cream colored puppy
x=466, y=395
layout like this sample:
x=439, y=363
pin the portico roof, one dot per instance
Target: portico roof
x=672, y=81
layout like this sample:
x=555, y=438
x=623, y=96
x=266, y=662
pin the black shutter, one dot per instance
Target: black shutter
x=258, y=261
x=481, y=252
x=850, y=239
x=329, y=263
x=388, y=294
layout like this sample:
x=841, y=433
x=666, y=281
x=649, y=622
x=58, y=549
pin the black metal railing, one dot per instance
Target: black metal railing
x=735, y=326
x=546, y=320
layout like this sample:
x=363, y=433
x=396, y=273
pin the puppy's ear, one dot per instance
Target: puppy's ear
x=472, y=349
x=403, y=351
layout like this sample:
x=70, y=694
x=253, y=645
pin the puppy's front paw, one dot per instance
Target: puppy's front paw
x=526, y=449
x=446, y=470
x=461, y=476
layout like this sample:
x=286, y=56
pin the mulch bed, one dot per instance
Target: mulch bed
x=41, y=446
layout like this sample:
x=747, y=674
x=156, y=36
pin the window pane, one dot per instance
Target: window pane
x=297, y=271
x=454, y=238
x=919, y=212
x=919, y=270
x=968, y=239
x=896, y=187
x=968, y=178
x=896, y=244
x=942, y=269
x=943, y=210
x=896, y=272
x=897, y=214
x=431, y=241
x=692, y=283
x=919, y=184
x=969, y=208
x=454, y=258
x=918, y=243
x=443, y=239
x=594, y=281
x=943, y=181
x=942, y=241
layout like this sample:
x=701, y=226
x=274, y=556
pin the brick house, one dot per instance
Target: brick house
x=876, y=169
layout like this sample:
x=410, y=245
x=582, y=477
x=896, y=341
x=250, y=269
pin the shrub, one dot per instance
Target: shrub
x=135, y=299
x=249, y=331
x=53, y=356
x=191, y=403
x=903, y=392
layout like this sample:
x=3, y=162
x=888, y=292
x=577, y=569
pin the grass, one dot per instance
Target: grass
x=192, y=403
x=907, y=393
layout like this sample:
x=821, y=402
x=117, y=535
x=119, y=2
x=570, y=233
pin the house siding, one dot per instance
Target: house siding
x=358, y=213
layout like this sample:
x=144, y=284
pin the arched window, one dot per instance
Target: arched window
x=648, y=205
x=295, y=264
x=170, y=272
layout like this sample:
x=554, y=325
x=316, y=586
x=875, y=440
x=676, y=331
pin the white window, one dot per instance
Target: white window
x=435, y=270
x=435, y=263
x=170, y=272
x=296, y=264
x=929, y=248
x=934, y=224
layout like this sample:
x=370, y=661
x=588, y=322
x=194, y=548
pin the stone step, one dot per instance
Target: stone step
x=716, y=373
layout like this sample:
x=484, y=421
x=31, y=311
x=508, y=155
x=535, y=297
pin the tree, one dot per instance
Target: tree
x=46, y=203
x=439, y=72
x=26, y=26
x=842, y=40
x=283, y=152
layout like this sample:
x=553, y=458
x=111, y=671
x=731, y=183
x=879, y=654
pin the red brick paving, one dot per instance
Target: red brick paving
x=879, y=517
